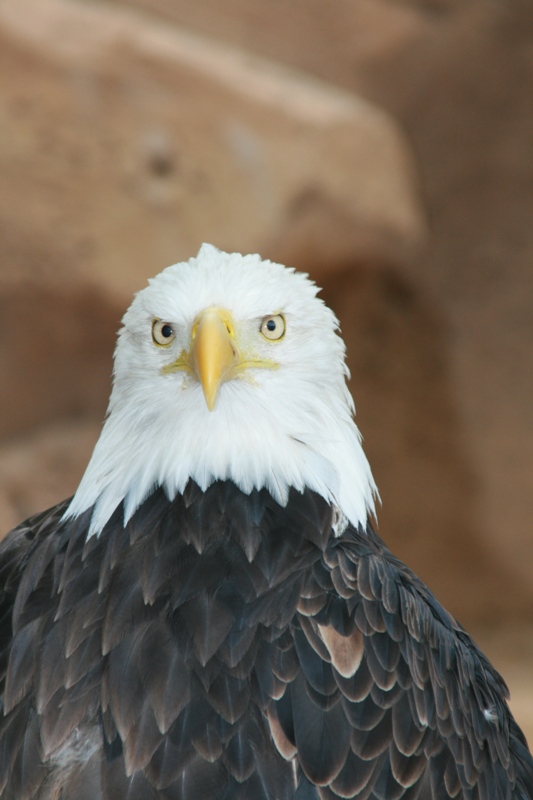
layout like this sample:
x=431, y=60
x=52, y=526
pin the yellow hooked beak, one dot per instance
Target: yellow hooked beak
x=214, y=356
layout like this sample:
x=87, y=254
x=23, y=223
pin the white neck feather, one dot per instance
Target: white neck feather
x=317, y=447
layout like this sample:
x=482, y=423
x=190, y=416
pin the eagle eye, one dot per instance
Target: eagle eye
x=273, y=327
x=162, y=333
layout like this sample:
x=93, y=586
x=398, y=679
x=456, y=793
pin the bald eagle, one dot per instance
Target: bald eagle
x=212, y=616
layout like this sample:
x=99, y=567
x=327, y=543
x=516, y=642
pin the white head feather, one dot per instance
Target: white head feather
x=287, y=427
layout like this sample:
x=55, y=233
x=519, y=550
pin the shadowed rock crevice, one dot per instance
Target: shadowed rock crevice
x=56, y=349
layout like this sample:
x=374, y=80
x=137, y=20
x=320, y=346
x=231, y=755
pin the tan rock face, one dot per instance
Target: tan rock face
x=56, y=350
x=337, y=42
x=41, y=469
x=125, y=144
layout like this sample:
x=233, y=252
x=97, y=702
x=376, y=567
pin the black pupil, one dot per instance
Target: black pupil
x=271, y=325
x=166, y=331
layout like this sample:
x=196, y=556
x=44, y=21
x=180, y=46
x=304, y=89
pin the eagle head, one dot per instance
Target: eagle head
x=228, y=367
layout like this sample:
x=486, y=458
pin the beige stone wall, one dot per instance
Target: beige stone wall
x=385, y=147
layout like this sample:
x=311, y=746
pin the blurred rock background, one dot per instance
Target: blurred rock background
x=385, y=146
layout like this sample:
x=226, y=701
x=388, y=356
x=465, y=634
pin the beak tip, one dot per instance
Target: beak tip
x=210, y=392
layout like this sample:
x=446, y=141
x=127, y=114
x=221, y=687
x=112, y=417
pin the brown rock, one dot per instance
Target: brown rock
x=126, y=143
x=41, y=469
x=56, y=348
x=341, y=42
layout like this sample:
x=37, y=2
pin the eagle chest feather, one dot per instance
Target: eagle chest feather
x=197, y=651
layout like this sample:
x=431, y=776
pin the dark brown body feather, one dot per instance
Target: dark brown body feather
x=221, y=647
